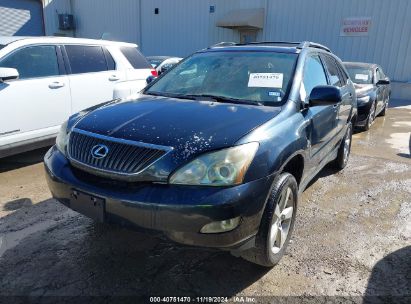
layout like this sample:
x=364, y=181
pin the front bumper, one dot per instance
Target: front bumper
x=178, y=211
x=363, y=112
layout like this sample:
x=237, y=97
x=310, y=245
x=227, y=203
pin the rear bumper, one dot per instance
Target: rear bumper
x=178, y=211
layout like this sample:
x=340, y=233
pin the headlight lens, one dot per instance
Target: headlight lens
x=62, y=138
x=363, y=99
x=222, y=168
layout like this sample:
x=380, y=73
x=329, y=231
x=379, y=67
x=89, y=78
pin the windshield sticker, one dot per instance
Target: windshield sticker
x=361, y=77
x=274, y=94
x=266, y=80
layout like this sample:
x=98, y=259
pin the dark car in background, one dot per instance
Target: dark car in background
x=216, y=152
x=373, y=91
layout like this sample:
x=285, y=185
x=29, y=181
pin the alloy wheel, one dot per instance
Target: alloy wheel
x=347, y=145
x=281, y=221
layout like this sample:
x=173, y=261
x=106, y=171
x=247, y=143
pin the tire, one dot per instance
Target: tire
x=344, y=149
x=371, y=117
x=278, y=219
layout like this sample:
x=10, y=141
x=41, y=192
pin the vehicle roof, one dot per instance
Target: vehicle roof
x=55, y=39
x=361, y=65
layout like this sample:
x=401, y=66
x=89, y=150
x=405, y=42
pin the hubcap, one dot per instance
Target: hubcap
x=281, y=221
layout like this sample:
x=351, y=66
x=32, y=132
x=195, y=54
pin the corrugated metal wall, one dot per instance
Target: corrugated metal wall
x=184, y=26
x=21, y=18
x=388, y=42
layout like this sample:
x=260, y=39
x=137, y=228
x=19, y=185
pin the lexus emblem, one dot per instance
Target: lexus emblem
x=99, y=151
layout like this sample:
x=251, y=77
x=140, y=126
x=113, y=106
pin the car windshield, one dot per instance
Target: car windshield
x=360, y=75
x=254, y=77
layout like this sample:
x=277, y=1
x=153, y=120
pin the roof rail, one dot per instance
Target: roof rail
x=306, y=44
x=299, y=45
x=224, y=43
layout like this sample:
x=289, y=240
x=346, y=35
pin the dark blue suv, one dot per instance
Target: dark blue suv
x=216, y=151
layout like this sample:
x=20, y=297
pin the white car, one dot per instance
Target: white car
x=44, y=80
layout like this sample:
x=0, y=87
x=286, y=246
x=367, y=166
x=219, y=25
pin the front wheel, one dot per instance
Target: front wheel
x=344, y=150
x=276, y=224
x=371, y=117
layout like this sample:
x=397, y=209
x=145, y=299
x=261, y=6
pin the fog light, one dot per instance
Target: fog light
x=221, y=226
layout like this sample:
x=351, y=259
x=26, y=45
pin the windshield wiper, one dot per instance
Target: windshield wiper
x=181, y=96
x=218, y=98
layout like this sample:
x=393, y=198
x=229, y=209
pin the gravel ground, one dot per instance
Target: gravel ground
x=352, y=239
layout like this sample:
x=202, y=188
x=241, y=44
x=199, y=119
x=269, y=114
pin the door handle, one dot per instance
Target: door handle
x=114, y=78
x=56, y=85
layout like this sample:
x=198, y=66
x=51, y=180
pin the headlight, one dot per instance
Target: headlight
x=62, y=138
x=222, y=168
x=363, y=99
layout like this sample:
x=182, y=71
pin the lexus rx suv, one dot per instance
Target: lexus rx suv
x=214, y=153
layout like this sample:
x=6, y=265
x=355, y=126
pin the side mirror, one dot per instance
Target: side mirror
x=383, y=82
x=8, y=74
x=324, y=96
x=150, y=79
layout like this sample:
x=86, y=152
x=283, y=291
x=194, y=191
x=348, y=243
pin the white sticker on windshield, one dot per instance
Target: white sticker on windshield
x=266, y=80
x=361, y=77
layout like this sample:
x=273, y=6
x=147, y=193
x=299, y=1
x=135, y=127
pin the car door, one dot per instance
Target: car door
x=34, y=105
x=338, y=78
x=92, y=75
x=322, y=119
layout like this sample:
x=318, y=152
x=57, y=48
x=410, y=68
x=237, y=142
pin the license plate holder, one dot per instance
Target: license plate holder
x=87, y=204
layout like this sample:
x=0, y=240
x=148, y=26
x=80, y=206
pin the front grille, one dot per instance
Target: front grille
x=124, y=157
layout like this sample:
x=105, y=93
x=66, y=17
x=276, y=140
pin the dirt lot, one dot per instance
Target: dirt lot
x=352, y=238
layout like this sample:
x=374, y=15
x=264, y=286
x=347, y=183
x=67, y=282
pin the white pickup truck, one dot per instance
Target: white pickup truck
x=44, y=80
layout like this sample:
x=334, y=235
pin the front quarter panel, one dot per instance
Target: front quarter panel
x=280, y=139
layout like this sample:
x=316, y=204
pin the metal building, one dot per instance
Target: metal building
x=21, y=18
x=368, y=30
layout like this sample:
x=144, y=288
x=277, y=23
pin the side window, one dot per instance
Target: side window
x=111, y=64
x=335, y=78
x=380, y=74
x=86, y=59
x=313, y=75
x=136, y=59
x=343, y=75
x=33, y=61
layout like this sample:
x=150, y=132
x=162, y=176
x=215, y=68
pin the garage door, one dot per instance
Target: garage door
x=21, y=18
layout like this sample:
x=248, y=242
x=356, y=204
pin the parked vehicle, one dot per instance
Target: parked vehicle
x=216, y=152
x=163, y=63
x=44, y=80
x=373, y=91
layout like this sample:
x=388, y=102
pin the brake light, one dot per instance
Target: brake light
x=154, y=73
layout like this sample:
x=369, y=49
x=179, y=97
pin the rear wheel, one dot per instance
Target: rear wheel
x=276, y=224
x=344, y=150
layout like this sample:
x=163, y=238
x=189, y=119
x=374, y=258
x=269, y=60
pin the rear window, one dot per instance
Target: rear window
x=86, y=59
x=136, y=59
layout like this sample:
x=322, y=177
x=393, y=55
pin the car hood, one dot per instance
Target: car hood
x=188, y=126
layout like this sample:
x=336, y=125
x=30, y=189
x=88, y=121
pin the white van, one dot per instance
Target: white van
x=43, y=80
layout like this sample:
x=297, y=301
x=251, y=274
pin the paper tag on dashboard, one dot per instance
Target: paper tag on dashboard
x=361, y=77
x=266, y=80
